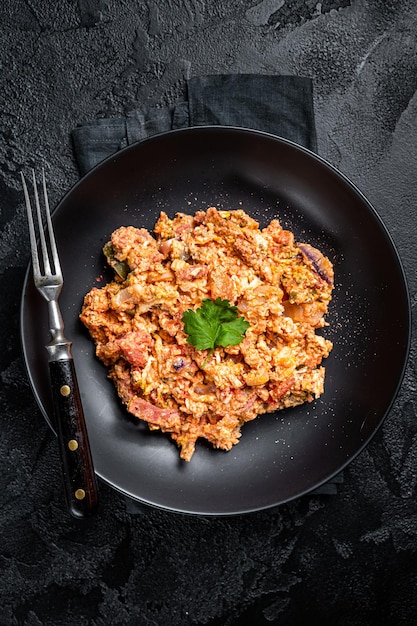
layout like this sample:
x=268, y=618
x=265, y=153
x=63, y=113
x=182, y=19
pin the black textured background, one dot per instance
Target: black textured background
x=344, y=560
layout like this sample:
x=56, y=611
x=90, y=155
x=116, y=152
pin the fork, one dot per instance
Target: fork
x=80, y=484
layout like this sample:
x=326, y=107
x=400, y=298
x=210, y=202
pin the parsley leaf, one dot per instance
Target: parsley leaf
x=215, y=323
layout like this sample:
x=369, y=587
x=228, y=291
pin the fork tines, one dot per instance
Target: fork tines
x=50, y=267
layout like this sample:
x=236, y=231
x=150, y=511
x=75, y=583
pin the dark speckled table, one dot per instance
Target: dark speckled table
x=348, y=559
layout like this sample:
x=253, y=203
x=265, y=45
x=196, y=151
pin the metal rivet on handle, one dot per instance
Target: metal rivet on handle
x=65, y=390
x=80, y=494
x=72, y=445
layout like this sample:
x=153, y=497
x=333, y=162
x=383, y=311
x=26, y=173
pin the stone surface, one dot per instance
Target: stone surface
x=347, y=560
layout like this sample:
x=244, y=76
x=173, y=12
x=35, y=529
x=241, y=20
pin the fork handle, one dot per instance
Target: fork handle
x=80, y=481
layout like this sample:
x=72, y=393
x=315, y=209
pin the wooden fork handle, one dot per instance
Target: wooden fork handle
x=80, y=481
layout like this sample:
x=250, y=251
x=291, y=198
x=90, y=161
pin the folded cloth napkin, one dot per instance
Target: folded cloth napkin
x=281, y=105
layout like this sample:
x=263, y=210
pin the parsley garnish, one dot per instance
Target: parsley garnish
x=215, y=323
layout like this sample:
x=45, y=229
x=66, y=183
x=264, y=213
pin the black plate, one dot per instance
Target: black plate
x=280, y=456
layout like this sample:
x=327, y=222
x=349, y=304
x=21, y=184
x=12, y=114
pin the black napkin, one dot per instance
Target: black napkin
x=281, y=105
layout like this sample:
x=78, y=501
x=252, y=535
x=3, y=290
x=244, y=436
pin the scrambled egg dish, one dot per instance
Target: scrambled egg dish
x=281, y=288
